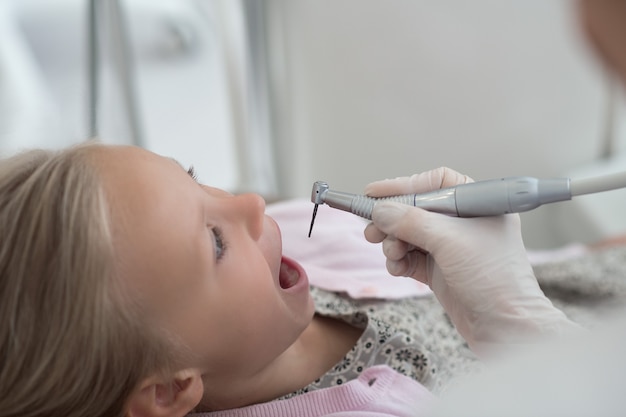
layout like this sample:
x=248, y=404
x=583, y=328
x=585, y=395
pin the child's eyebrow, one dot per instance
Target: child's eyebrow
x=171, y=158
x=189, y=170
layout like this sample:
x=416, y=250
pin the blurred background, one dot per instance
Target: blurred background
x=272, y=95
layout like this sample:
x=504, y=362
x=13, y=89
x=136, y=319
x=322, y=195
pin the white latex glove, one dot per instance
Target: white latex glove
x=477, y=268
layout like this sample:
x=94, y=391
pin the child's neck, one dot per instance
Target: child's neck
x=324, y=343
x=320, y=346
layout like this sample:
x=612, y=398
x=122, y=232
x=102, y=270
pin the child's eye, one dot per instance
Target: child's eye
x=219, y=244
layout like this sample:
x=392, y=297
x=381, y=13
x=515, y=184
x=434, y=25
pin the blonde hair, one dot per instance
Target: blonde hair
x=69, y=347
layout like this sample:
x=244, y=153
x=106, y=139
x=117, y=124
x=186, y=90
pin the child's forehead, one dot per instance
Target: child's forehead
x=135, y=180
x=124, y=163
x=118, y=155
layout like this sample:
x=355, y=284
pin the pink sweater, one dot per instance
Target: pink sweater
x=378, y=392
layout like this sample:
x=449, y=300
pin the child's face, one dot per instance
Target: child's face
x=204, y=264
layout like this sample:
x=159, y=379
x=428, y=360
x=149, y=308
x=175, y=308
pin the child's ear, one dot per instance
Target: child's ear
x=175, y=397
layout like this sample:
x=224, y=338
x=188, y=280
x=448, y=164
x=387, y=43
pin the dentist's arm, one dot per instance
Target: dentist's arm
x=477, y=267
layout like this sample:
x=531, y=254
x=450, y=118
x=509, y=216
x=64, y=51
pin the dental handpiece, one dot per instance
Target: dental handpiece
x=477, y=199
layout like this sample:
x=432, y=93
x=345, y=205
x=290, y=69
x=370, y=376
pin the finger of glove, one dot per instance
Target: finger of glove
x=395, y=249
x=409, y=224
x=412, y=265
x=418, y=183
x=373, y=234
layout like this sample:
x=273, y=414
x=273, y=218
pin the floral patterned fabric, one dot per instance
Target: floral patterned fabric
x=412, y=336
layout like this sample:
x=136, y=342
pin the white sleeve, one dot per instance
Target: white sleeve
x=580, y=375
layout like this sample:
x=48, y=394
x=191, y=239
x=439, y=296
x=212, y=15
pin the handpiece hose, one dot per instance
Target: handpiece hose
x=477, y=199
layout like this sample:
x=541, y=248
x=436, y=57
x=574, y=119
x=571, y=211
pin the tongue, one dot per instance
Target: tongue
x=288, y=276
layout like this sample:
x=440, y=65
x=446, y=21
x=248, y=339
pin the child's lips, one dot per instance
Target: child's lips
x=291, y=274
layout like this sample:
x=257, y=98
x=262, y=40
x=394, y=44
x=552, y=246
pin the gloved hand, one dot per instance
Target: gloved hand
x=477, y=267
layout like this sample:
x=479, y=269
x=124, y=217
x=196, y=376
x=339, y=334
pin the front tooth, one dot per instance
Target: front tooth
x=293, y=276
x=290, y=273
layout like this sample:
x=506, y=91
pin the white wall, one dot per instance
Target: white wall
x=370, y=89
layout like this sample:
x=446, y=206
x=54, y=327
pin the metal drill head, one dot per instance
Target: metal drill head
x=317, y=197
x=318, y=192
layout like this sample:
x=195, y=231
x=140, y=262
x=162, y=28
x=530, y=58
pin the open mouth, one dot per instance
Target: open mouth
x=289, y=274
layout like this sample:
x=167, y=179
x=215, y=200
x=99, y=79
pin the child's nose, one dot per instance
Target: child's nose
x=252, y=208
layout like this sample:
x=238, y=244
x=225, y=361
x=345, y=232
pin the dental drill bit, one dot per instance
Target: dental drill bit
x=313, y=218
